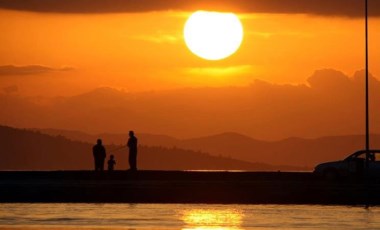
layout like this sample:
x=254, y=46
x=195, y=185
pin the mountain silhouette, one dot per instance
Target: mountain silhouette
x=291, y=151
x=31, y=150
x=300, y=152
x=117, y=139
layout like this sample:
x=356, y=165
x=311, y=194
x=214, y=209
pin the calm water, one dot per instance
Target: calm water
x=185, y=216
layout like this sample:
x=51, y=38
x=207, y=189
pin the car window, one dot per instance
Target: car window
x=372, y=156
x=360, y=156
x=377, y=157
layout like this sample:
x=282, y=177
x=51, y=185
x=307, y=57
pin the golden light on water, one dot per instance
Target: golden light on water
x=211, y=219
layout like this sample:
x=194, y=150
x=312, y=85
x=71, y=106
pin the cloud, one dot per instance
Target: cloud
x=219, y=71
x=331, y=104
x=159, y=38
x=347, y=8
x=328, y=78
x=7, y=70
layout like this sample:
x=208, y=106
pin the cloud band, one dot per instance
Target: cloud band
x=6, y=70
x=345, y=8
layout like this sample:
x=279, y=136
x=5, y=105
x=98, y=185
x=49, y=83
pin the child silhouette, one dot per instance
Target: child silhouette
x=111, y=163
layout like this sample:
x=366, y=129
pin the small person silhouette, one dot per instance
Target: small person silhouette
x=111, y=163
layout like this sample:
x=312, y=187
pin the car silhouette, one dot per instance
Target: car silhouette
x=355, y=164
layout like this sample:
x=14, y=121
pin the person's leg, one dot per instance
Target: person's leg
x=134, y=161
x=101, y=165
x=97, y=165
x=130, y=160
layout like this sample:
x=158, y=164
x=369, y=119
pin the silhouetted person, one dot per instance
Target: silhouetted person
x=111, y=163
x=99, y=153
x=132, y=145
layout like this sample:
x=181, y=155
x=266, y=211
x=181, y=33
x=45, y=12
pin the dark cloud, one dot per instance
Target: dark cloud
x=6, y=70
x=328, y=79
x=347, y=8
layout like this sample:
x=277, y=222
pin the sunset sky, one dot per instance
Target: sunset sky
x=140, y=47
x=66, y=48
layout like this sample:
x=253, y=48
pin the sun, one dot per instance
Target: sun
x=213, y=35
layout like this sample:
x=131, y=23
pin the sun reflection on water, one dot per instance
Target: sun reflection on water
x=212, y=219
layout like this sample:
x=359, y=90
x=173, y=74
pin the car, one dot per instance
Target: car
x=354, y=164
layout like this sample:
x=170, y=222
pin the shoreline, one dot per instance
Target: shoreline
x=209, y=187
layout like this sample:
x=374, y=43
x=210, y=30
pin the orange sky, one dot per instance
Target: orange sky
x=146, y=51
x=306, y=59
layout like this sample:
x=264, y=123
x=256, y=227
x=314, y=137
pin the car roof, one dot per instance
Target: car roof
x=370, y=151
x=363, y=151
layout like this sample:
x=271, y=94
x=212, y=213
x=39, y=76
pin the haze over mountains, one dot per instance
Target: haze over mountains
x=31, y=150
x=330, y=104
x=63, y=150
x=299, y=152
x=256, y=124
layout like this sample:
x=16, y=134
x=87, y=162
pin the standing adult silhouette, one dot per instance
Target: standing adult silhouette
x=132, y=145
x=99, y=153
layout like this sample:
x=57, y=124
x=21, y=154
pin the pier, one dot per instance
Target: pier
x=219, y=187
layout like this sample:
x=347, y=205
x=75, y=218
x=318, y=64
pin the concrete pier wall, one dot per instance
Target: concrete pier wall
x=186, y=187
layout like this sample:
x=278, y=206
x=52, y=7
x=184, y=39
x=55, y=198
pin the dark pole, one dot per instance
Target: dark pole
x=366, y=79
x=367, y=110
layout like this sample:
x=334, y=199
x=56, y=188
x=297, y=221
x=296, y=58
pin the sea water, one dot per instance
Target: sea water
x=186, y=216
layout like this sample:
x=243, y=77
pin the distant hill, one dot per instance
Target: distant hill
x=117, y=139
x=291, y=151
x=31, y=150
x=300, y=152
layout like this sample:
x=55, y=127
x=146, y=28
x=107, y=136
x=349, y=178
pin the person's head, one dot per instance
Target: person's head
x=131, y=133
x=111, y=157
x=99, y=141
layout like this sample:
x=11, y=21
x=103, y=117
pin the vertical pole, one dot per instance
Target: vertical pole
x=366, y=76
x=367, y=146
x=368, y=195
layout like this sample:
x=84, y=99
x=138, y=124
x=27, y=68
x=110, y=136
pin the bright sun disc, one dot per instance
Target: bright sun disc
x=213, y=35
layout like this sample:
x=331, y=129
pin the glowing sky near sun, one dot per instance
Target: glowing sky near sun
x=145, y=51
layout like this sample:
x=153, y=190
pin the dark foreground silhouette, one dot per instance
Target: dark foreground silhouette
x=132, y=145
x=99, y=153
x=186, y=187
x=43, y=152
x=111, y=163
